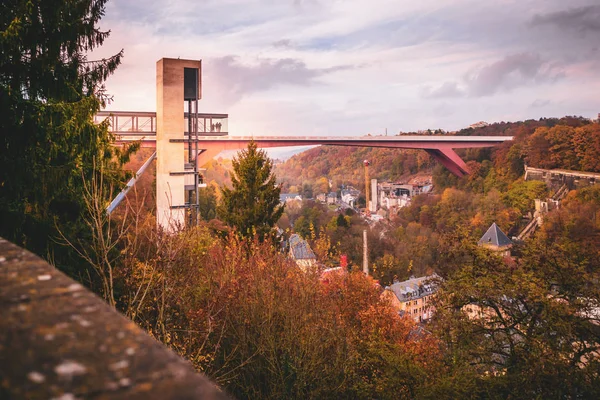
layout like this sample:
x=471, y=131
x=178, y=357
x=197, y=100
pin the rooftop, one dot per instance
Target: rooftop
x=495, y=237
x=350, y=191
x=300, y=248
x=414, y=288
x=288, y=196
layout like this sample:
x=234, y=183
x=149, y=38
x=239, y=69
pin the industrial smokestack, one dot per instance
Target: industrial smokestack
x=365, y=254
x=367, y=204
x=374, y=197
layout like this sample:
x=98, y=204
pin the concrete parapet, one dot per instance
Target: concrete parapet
x=58, y=340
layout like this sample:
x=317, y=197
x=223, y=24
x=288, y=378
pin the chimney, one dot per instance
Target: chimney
x=344, y=261
x=365, y=254
x=374, y=198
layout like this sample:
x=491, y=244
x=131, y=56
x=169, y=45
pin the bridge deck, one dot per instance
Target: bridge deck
x=404, y=141
x=214, y=138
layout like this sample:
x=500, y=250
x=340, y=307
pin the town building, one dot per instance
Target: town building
x=495, y=240
x=480, y=124
x=350, y=195
x=390, y=195
x=413, y=297
x=285, y=197
x=332, y=198
x=301, y=253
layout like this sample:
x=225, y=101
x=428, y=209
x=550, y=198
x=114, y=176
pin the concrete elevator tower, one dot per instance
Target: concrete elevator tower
x=177, y=81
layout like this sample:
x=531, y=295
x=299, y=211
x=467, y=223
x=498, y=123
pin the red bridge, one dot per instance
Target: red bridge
x=213, y=137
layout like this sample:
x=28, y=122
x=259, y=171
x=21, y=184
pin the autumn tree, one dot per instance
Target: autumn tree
x=263, y=329
x=49, y=93
x=573, y=146
x=252, y=206
x=522, y=194
x=587, y=146
x=388, y=268
x=519, y=329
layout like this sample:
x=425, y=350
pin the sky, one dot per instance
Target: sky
x=342, y=67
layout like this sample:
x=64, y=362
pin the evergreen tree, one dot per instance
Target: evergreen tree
x=252, y=206
x=49, y=144
x=208, y=203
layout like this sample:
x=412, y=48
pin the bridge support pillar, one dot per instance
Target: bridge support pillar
x=449, y=159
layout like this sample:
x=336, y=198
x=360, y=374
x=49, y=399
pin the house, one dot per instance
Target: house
x=349, y=196
x=301, y=253
x=480, y=124
x=332, y=198
x=285, y=197
x=390, y=195
x=413, y=297
x=495, y=240
x=322, y=198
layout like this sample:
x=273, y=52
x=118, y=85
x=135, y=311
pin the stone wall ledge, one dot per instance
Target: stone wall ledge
x=58, y=340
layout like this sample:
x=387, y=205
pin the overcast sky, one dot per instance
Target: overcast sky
x=341, y=67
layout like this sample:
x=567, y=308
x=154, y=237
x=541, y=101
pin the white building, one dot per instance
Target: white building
x=286, y=197
x=349, y=196
x=391, y=195
x=413, y=297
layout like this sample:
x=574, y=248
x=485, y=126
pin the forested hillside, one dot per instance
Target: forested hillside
x=568, y=142
x=344, y=165
x=412, y=240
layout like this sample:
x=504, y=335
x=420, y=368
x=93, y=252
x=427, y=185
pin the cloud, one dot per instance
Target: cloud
x=272, y=64
x=582, y=19
x=283, y=44
x=504, y=75
x=234, y=79
x=511, y=72
x=538, y=103
x=447, y=89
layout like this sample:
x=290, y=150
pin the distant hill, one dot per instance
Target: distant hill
x=568, y=142
x=344, y=165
